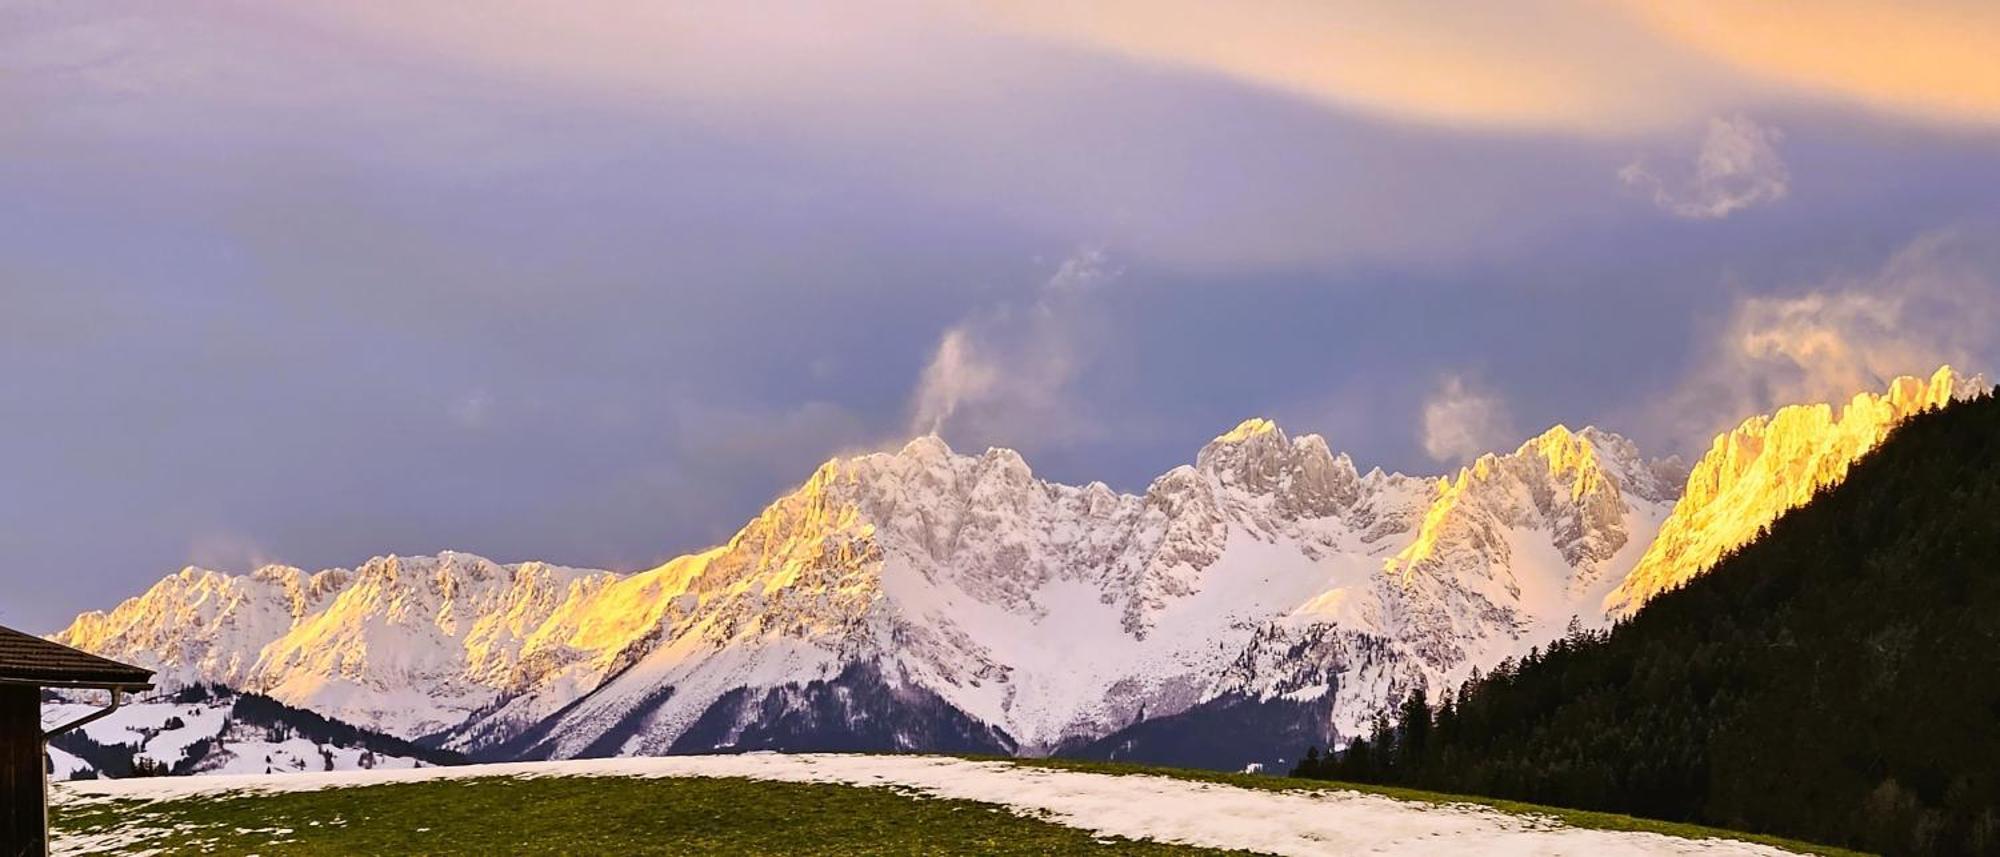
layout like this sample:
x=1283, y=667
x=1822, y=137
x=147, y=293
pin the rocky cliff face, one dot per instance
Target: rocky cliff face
x=937, y=594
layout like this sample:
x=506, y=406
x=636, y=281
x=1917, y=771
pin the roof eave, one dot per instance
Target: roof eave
x=77, y=684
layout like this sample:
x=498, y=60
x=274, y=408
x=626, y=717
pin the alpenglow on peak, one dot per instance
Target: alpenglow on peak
x=1768, y=465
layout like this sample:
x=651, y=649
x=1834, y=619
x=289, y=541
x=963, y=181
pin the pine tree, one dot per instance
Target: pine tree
x=1309, y=766
x=1415, y=718
x=1357, y=762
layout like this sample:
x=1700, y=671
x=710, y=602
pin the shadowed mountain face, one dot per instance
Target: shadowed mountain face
x=1837, y=679
x=856, y=711
x=925, y=599
x=1232, y=732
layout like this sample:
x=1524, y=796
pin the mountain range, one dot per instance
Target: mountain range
x=930, y=600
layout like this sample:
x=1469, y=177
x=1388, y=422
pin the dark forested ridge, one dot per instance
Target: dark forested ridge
x=1836, y=680
x=1231, y=732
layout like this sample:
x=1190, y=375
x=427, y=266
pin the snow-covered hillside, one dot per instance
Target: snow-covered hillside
x=925, y=599
x=202, y=732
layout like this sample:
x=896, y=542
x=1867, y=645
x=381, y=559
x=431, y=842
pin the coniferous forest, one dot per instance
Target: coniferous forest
x=1836, y=680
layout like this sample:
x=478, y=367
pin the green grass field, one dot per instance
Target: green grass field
x=493, y=816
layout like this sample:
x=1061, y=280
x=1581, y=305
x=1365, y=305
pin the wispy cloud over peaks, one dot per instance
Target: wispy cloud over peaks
x=1084, y=270
x=1461, y=421
x=1738, y=167
x=1002, y=374
x=1936, y=301
x=957, y=373
x=225, y=550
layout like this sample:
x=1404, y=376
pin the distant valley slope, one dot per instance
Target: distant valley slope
x=204, y=729
x=926, y=599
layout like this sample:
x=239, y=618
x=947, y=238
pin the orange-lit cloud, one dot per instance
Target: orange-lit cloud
x=1571, y=66
x=1560, y=64
x=1936, y=301
x=1938, y=59
x=1531, y=65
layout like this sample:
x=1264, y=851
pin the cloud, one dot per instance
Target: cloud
x=1462, y=422
x=843, y=70
x=1566, y=65
x=226, y=551
x=781, y=444
x=473, y=410
x=1543, y=64
x=1738, y=167
x=1930, y=59
x=1936, y=301
x=1002, y=376
x=955, y=374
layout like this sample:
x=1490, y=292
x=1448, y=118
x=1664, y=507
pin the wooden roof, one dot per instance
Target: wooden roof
x=28, y=659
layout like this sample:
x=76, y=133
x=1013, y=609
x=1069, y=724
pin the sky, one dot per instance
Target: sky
x=591, y=282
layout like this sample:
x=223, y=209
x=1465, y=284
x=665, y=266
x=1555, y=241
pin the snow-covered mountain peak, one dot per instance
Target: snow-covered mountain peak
x=1767, y=465
x=1249, y=428
x=1908, y=393
x=269, y=572
x=1250, y=441
x=1588, y=491
x=926, y=447
x=1568, y=454
x=1588, y=461
x=1302, y=475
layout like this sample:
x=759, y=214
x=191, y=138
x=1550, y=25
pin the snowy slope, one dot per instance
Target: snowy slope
x=926, y=598
x=205, y=735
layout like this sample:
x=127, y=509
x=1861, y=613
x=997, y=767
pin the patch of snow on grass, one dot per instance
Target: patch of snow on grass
x=1313, y=822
